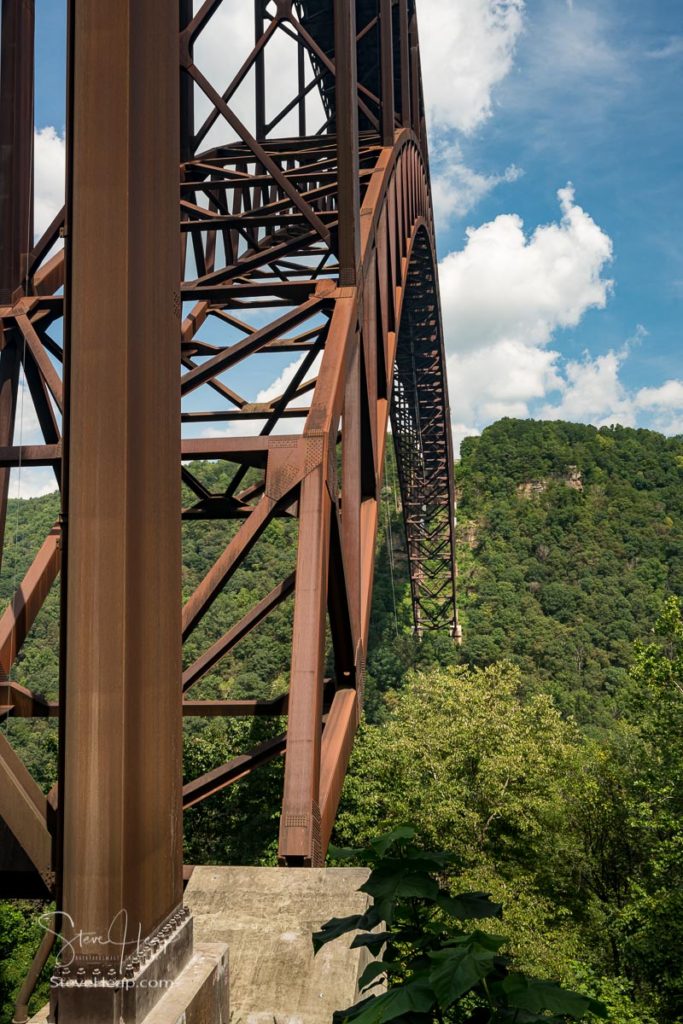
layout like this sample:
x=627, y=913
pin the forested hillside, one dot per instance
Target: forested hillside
x=570, y=538
x=546, y=752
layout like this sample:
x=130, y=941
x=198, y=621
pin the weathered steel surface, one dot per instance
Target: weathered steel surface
x=319, y=245
x=123, y=718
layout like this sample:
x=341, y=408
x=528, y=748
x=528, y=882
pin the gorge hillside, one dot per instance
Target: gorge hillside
x=545, y=752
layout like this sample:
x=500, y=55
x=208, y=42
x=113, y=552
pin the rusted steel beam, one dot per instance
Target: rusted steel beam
x=300, y=837
x=219, y=778
x=235, y=708
x=404, y=50
x=257, y=614
x=30, y=455
x=41, y=358
x=187, y=139
x=24, y=810
x=10, y=362
x=28, y=599
x=346, y=120
x=22, y=703
x=337, y=742
x=259, y=71
x=16, y=145
x=387, y=71
x=218, y=575
x=123, y=716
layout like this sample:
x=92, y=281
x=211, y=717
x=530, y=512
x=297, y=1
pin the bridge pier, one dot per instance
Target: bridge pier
x=126, y=937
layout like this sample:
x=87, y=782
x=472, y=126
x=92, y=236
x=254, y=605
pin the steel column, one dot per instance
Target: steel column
x=346, y=99
x=387, y=71
x=259, y=73
x=16, y=144
x=122, y=789
x=9, y=381
x=186, y=93
x=300, y=825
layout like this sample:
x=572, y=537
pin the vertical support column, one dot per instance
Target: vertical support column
x=186, y=94
x=16, y=144
x=387, y=72
x=300, y=831
x=122, y=863
x=404, y=32
x=259, y=73
x=301, y=73
x=346, y=99
x=415, y=77
x=351, y=488
x=9, y=382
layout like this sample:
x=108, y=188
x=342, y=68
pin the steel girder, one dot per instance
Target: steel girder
x=320, y=245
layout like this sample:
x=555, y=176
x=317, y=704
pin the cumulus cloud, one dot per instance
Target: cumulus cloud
x=592, y=391
x=467, y=48
x=457, y=188
x=219, y=53
x=267, y=394
x=504, y=295
x=49, y=156
x=506, y=286
x=31, y=482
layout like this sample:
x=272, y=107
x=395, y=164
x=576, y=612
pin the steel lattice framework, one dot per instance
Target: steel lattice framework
x=312, y=238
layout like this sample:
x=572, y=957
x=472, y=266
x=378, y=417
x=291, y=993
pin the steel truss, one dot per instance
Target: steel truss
x=319, y=245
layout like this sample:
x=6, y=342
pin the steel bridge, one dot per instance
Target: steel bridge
x=300, y=224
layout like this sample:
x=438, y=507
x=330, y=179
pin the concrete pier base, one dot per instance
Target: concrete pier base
x=197, y=995
x=267, y=916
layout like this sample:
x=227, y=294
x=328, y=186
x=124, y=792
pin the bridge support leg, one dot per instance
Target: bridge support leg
x=16, y=144
x=122, y=861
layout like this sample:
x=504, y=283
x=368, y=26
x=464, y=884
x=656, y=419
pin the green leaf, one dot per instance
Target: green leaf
x=395, y=878
x=469, y=906
x=389, y=839
x=346, y=852
x=484, y=939
x=457, y=970
x=536, y=996
x=414, y=996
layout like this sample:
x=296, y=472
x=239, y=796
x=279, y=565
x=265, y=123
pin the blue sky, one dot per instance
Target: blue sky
x=591, y=95
x=557, y=164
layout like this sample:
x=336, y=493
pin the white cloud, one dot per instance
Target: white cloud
x=219, y=52
x=592, y=392
x=500, y=380
x=267, y=394
x=457, y=188
x=505, y=286
x=668, y=396
x=504, y=295
x=49, y=162
x=673, y=47
x=467, y=48
x=30, y=482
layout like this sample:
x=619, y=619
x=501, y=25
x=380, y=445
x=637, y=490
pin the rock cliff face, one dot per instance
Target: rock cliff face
x=573, y=478
x=530, y=488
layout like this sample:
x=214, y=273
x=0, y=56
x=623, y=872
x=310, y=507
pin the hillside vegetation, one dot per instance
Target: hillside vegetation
x=546, y=752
